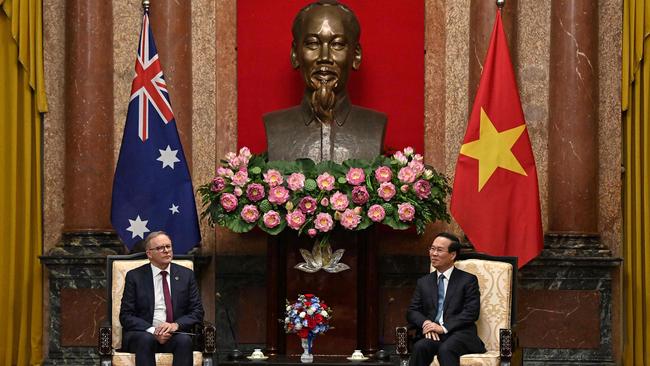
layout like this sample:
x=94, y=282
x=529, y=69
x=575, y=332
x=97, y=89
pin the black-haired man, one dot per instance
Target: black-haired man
x=444, y=308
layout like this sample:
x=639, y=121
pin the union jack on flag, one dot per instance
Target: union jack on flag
x=152, y=188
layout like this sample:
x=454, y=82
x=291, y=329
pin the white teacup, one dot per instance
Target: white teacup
x=257, y=353
x=357, y=355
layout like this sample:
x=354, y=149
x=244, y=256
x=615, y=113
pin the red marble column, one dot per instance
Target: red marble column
x=481, y=21
x=171, y=23
x=573, y=117
x=89, y=115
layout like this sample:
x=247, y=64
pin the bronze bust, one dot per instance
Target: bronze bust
x=325, y=126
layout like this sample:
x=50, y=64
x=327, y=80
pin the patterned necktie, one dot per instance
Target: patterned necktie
x=168, y=298
x=441, y=297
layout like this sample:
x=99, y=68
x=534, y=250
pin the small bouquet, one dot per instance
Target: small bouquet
x=307, y=317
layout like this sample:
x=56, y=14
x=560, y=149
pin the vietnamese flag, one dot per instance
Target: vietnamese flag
x=495, y=198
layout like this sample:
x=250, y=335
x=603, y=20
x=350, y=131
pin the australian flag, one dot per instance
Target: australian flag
x=152, y=189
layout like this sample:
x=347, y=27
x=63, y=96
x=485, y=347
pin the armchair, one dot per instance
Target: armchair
x=497, y=277
x=110, y=334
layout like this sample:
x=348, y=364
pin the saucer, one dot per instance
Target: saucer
x=257, y=358
x=358, y=359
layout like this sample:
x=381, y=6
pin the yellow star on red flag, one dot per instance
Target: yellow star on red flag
x=493, y=149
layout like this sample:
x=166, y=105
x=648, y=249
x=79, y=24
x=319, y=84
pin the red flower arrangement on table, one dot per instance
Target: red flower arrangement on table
x=399, y=191
x=308, y=317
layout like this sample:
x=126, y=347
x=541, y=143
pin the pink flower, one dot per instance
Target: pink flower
x=360, y=195
x=349, y=219
x=240, y=178
x=358, y=210
x=244, y=155
x=325, y=182
x=417, y=167
x=218, y=184
x=404, y=188
x=383, y=174
x=401, y=158
x=228, y=201
x=307, y=205
x=255, y=192
x=339, y=201
x=295, y=219
x=406, y=211
x=422, y=189
x=278, y=195
x=312, y=232
x=419, y=158
x=386, y=191
x=271, y=219
x=232, y=160
x=355, y=176
x=237, y=191
x=408, y=151
x=250, y=213
x=406, y=175
x=325, y=202
x=273, y=178
x=323, y=222
x=224, y=172
x=376, y=213
x=296, y=181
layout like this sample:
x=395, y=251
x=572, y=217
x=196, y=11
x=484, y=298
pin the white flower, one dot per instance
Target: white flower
x=428, y=173
x=286, y=320
x=302, y=314
x=324, y=313
x=310, y=311
x=298, y=326
x=288, y=307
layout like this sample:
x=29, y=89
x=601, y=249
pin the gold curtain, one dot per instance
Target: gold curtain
x=22, y=100
x=635, y=89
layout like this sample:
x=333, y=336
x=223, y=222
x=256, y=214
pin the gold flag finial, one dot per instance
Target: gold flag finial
x=145, y=5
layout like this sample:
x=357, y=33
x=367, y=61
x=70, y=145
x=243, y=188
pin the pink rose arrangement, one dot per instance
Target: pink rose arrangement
x=399, y=191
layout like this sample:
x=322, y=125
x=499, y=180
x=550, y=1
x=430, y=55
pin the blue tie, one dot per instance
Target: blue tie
x=441, y=297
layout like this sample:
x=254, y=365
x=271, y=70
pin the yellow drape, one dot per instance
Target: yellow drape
x=22, y=99
x=636, y=190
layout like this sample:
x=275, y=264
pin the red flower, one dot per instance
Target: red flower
x=303, y=333
x=318, y=318
x=309, y=296
x=311, y=322
x=323, y=305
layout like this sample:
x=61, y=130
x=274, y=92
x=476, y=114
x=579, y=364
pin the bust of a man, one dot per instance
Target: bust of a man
x=325, y=126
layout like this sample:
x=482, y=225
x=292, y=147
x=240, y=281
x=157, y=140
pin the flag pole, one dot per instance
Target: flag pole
x=145, y=5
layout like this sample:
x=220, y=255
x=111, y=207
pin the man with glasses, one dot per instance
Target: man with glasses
x=444, y=308
x=160, y=303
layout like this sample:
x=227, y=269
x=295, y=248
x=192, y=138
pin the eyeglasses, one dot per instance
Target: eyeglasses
x=162, y=248
x=438, y=250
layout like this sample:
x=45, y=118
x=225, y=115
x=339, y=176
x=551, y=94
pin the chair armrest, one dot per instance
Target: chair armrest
x=509, y=351
x=206, y=339
x=105, y=340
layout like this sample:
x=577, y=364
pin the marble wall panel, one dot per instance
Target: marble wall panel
x=82, y=312
x=573, y=314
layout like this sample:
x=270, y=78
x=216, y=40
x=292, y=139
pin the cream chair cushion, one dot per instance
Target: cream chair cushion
x=495, y=283
x=162, y=359
x=120, y=268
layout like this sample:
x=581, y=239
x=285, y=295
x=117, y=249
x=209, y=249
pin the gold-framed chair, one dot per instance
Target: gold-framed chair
x=496, y=325
x=110, y=333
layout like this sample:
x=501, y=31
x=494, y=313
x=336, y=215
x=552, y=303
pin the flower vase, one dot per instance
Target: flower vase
x=306, y=356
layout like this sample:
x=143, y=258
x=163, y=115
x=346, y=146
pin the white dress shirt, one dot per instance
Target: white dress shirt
x=159, y=308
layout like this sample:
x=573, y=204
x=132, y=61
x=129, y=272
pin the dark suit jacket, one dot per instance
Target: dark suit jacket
x=136, y=313
x=461, y=307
